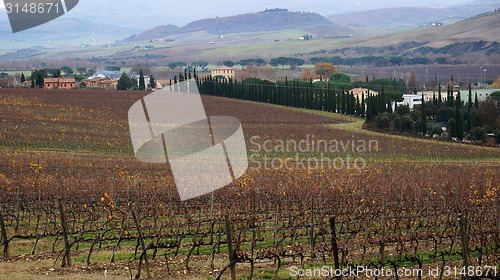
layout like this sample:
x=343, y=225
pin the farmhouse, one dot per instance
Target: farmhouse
x=102, y=82
x=410, y=100
x=358, y=92
x=65, y=83
x=223, y=71
x=114, y=75
x=162, y=83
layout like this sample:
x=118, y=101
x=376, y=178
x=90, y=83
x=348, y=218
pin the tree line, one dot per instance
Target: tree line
x=334, y=95
x=469, y=119
x=380, y=61
x=472, y=119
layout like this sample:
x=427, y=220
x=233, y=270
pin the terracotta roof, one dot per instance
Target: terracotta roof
x=359, y=91
x=223, y=68
x=163, y=82
x=61, y=80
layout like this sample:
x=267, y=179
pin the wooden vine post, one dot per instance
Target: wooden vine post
x=67, y=249
x=5, y=240
x=141, y=240
x=462, y=223
x=335, y=249
x=230, y=251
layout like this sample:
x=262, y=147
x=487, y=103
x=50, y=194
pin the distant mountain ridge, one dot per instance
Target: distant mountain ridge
x=157, y=32
x=269, y=20
x=412, y=16
x=479, y=28
x=64, y=29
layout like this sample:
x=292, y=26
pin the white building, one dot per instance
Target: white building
x=410, y=100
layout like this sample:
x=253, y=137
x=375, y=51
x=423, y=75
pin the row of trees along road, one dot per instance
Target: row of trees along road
x=333, y=95
x=464, y=119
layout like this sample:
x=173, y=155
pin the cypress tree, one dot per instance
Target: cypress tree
x=452, y=98
x=476, y=102
x=343, y=101
x=389, y=106
x=123, y=82
x=383, y=100
x=358, y=107
x=286, y=95
x=33, y=80
x=334, y=101
x=347, y=103
x=152, y=82
x=297, y=96
x=351, y=103
x=363, y=106
x=23, y=79
x=339, y=102
x=459, y=131
x=440, y=98
x=39, y=78
x=469, y=108
x=328, y=97
x=142, y=83
x=369, y=114
x=448, y=98
x=310, y=94
x=347, y=100
x=354, y=104
x=423, y=116
x=376, y=105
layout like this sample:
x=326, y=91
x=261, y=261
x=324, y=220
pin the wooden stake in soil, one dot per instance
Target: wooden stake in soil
x=335, y=249
x=5, y=240
x=67, y=253
x=141, y=240
x=462, y=223
x=230, y=248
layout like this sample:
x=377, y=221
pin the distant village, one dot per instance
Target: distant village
x=109, y=80
x=104, y=79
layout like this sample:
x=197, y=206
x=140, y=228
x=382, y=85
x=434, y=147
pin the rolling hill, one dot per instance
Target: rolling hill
x=478, y=35
x=266, y=34
x=480, y=28
x=412, y=16
x=269, y=20
x=157, y=32
x=64, y=30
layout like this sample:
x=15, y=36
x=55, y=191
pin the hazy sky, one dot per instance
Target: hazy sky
x=149, y=13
